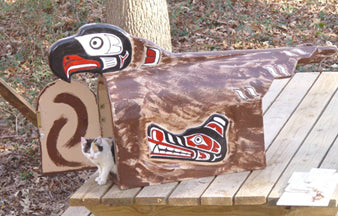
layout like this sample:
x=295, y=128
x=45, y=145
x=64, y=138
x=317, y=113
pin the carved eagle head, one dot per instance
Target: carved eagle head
x=96, y=48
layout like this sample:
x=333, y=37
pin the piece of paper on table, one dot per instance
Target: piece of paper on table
x=314, y=188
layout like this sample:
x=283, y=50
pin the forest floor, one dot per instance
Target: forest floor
x=29, y=27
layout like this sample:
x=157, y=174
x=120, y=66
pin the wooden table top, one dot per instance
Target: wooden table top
x=301, y=127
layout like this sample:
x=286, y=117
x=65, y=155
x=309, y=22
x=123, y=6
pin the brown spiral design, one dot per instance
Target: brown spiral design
x=81, y=129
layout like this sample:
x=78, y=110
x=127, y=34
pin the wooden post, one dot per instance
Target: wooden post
x=17, y=101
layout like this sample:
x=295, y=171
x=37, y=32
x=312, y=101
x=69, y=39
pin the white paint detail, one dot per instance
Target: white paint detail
x=251, y=91
x=168, y=151
x=170, y=138
x=216, y=157
x=241, y=94
x=299, y=51
x=154, y=135
x=111, y=44
x=288, y=53
x=78, y=67
x=123, y=58
x=219, y=120
x=151, y=146
x=197, y=140
x=108, y=62
x=283, y=70
x=179, y=141
x=271, y=70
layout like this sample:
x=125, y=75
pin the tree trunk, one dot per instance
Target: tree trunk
x=148, y=19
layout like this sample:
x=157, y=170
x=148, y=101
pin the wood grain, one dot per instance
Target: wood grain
x=286, y=103
x=313, y=149
x=263, y=210
x=223, y=189
x=76, y=198
x=188, y=192
x=155, y=194
x=260, y=182
x=331, y=162
x=116, y=196
x=94, y=195
x=275, y=89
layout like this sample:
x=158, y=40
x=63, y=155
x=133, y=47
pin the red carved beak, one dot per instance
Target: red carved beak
x=75, y=63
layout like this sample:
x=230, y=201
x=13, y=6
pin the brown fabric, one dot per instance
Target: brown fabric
x=181, y=92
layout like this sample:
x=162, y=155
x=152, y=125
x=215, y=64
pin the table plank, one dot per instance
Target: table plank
x=93, y=196
x=89, y=192
x=313, y=149
x=116, y=196
x=76, y=198
x=188, y=192
x=155, y=194
x=286, y=103
x=223, y=189
x=159, y=210
x=260, y=182
x=331, y=159
x=331, y=162
x=275, y=89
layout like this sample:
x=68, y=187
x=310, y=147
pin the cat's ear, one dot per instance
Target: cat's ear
x=83, y=140
x=99, y=140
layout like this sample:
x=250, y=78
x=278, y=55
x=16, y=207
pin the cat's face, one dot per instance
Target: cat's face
x=91, y=148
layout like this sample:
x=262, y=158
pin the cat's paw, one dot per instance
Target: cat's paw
x=101, y=181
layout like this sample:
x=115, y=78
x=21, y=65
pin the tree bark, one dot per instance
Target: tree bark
x=148, y=19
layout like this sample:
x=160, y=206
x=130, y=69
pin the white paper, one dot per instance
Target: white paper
x=314, y=188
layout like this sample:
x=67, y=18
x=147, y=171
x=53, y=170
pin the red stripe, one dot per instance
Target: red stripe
x=151, y=53
x=150, y=60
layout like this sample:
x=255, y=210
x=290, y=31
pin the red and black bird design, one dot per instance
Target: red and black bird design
x=96, y=48
x=207, y=142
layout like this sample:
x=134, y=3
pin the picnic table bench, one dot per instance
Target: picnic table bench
x=301, y=127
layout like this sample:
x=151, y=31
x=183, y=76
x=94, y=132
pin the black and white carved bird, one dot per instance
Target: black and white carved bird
x=96, y=48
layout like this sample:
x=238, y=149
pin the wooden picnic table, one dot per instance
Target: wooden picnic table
x=301, y=127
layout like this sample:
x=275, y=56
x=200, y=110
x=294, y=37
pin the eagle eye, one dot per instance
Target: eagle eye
x=96, y=43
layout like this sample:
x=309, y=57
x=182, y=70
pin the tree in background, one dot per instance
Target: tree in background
x=148, y=19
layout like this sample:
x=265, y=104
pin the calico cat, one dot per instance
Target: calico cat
x=101, y=152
